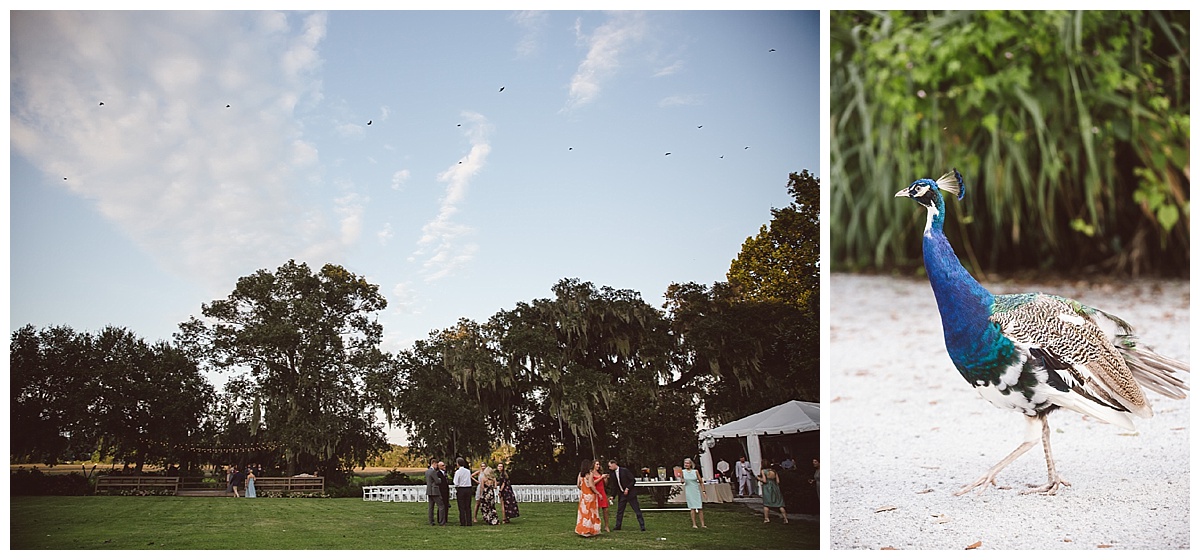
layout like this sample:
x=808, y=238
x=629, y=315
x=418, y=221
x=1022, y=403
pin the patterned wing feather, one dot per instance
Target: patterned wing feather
x=1080, y=349
x=1151, y=369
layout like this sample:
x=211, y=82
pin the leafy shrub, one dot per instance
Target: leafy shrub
x=36, y=483
x=1070, y=128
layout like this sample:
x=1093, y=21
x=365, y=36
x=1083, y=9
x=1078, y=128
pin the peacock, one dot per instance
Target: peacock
x=1036, y=353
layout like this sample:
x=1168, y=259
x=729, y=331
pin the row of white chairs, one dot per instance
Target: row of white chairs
x=524, y=492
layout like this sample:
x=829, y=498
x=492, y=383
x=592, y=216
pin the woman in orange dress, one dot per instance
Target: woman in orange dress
x=602, y=500
x=587, y=520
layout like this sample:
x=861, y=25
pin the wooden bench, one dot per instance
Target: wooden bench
x=109, y=483
x=288, y=484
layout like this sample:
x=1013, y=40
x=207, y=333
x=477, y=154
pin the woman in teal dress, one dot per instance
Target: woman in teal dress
x=693, y=490
x=250, y=493
x=771, y=494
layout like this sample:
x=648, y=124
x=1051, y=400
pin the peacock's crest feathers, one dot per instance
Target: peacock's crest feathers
x=952, y=182
x=928, y=193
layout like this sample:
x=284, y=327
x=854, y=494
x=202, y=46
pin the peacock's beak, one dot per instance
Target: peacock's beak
x=903, y=193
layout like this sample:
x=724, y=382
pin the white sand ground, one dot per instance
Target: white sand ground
x=906, y=431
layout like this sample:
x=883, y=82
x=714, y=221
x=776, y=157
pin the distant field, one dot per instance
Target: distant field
x=173, y=523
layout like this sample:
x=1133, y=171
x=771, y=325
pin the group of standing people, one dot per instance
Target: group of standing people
x=486, y=486
x=491, y=484
x=235, y=478
x=592, y=516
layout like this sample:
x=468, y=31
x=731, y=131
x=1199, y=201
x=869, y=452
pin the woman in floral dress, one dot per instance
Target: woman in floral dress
x=508, y=498
x=587, y=520
x=487, y=504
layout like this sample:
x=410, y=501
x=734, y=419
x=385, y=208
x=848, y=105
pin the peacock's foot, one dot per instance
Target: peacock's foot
x=1050, y=488
x=982, y=483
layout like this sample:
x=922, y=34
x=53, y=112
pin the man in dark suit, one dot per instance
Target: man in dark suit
x=444, y=488
x=433, y=492
x=626, y=493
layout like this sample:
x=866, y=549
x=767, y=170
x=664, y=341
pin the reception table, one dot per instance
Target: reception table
x=714, y=492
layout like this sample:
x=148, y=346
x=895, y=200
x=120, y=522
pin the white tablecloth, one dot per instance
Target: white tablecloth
x=713, y=493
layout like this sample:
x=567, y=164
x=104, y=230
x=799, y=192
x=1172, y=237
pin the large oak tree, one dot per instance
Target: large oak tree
x=304, y=342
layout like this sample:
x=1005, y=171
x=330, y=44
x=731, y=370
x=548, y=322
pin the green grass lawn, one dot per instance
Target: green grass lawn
x=172, y=523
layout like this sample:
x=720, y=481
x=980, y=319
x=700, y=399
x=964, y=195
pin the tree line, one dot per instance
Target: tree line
x=589, y=372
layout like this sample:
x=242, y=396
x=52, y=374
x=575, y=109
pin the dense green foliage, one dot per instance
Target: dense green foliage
x=1071, y=129
x=398, y=457
x=305, y=341
x=582, y=375
x=782, y=262
x=170, y=523
x=76, y=394
x=34, y=482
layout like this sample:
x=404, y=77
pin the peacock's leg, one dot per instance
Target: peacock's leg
x=1031, y=437
x=1055, y=482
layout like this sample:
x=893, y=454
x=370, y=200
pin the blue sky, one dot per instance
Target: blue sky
x=458, y=199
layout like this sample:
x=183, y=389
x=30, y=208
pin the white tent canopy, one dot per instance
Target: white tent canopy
x=788, y=418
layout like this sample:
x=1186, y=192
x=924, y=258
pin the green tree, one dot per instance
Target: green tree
x=110, y=393
x=442, y=418
x=148, y=400
x=744, y=356
x=579, y=347
x=782, y=263
x=49, y=383
x=753, y=342
x=304, y=342
x=584, y=374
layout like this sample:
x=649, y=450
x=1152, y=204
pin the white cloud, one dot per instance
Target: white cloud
x=441, y=246
x=668, y=70
x=210, y=191
x=385, y=235
x=301, y=57
x=532, y=22
x=605, y=46
x=674, y=100
x=349, y=210
x=304, y=154
x=350, y=130
x=399, y=178
x=403, y=298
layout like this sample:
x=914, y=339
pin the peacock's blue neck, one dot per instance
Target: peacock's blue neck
x=975, y=344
